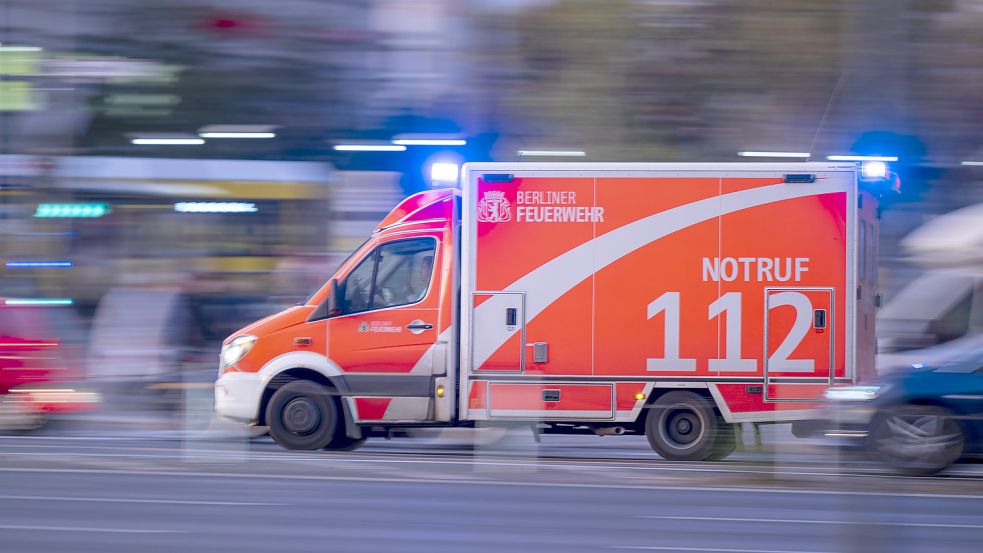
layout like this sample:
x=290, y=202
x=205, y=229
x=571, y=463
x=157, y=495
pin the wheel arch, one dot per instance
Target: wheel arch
x=306, y=366
x=715, y=439
x=657, y=392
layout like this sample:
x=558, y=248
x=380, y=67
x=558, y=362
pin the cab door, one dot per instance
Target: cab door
x=386, y=337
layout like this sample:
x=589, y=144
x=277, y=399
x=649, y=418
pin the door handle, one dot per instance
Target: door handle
x=419, y=326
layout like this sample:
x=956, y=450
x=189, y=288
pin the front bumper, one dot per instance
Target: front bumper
x=237, y=396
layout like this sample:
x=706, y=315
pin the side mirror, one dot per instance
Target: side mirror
x=334, y=299
x=330, y=307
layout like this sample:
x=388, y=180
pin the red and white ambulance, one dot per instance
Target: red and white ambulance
x=671, y=300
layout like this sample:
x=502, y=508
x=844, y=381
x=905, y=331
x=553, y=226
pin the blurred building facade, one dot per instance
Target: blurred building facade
x=640, y=79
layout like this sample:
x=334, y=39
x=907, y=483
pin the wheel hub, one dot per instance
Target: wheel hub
x=301, y=416
x=683, y=427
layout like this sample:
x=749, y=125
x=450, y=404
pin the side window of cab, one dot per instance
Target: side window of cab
x=393, y=274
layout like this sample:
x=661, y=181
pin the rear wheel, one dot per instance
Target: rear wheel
x=683, y=426
x=302, y=415
x=917, y=439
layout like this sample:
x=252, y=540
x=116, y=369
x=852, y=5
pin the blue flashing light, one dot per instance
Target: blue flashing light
x=873, y=169
x=444, y=173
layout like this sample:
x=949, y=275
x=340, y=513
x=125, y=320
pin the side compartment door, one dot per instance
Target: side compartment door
x=498, y=317
x=799, y=338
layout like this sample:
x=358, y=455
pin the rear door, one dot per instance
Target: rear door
x=784, y=261
x=799, y=339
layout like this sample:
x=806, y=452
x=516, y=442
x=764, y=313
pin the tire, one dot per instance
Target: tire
x=725, y=442
x=344, y=443
x=917, y=440
x=684, y=426
x=302, y=415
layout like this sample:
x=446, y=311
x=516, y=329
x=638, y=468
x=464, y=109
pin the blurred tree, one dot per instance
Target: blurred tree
x=665, y=80
x=668, y=80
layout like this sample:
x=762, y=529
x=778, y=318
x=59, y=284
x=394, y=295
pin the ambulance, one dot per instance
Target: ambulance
x=669, y=300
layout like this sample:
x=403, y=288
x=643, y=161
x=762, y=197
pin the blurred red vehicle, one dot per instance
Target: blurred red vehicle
x=40, y=366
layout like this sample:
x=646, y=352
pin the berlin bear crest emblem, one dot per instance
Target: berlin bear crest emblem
x=494, y=208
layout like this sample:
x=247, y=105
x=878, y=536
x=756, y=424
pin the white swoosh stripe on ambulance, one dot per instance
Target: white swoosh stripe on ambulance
x=424, y=365
x=553, y=279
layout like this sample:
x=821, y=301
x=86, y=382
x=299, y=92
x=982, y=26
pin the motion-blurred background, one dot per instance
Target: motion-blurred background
x=170, y=171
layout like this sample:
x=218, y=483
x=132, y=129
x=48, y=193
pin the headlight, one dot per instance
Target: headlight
x=236, y=350
x=854, y=393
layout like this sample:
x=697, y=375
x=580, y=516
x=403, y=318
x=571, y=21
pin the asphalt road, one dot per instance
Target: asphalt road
x=158, y=491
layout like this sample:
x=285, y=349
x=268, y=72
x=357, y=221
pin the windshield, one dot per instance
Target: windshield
x=340, y=265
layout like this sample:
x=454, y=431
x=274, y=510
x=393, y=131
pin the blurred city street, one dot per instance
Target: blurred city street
x=119, y=490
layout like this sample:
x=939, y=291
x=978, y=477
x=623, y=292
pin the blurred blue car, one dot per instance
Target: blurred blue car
x=920, y=419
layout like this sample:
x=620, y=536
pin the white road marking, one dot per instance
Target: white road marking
x=64, y=438
x=138, y=500
x=550, y=461
x=85, y=529
x=801, y=521
x=709, y=549
x=192, y=454
x=473, y=482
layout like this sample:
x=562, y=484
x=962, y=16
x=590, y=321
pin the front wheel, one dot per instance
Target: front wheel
x=302, y=415
x=683, y=426
x=917, y=439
